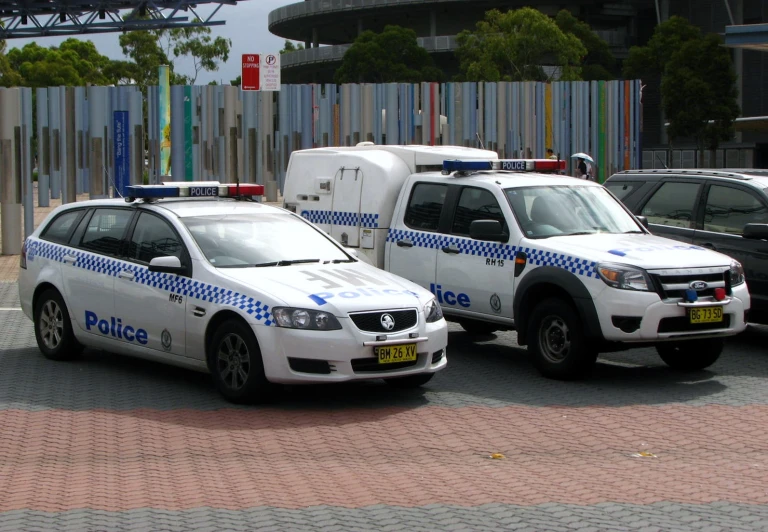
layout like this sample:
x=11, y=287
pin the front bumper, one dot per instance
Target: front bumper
x=348, y=353
x=665, y=320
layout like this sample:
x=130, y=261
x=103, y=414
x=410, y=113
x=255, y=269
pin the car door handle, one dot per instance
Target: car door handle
x=451, y=249
x=69, y=259
x=126, y=274
x=404, y=243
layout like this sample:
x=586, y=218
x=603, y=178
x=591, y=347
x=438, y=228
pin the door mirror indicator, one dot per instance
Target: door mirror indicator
x=643, y=220
x=166, y=265
x=488, y=230
x=756, y=231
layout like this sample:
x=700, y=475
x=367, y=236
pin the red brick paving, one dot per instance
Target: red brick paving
x=56, y=460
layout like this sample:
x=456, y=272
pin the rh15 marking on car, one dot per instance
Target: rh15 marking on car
x=115, y=328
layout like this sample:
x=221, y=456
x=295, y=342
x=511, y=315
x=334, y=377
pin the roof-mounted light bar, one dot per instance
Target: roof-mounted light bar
x=200, y=189
x=509, y=165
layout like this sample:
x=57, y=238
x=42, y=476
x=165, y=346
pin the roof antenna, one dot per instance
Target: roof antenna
x=480, y=140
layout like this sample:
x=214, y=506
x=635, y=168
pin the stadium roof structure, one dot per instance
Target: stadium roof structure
x=45, y=18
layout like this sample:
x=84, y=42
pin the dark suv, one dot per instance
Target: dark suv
x=724, y=210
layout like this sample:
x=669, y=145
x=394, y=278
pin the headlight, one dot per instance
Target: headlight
x=299, y=318
x=433, y=312
x=737, y=273
x=624, y=277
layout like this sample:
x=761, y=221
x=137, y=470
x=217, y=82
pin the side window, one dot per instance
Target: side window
x=153, y=237
x=475, y=204
x=625, y=189
x=672, y=204
x=59, y=229
x=105, y=230
x=729, y=209
x=425, y=206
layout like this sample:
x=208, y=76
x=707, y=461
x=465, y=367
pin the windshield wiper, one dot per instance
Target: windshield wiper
x=580, y=233
x=297, y=261
x=337, y=261
x=634, y=231
x=260, y=265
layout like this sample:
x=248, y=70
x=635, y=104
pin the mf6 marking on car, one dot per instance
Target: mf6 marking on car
x=448, y=297
x=115, y=328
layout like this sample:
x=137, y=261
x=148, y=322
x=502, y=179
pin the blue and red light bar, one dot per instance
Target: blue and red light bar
x=509, y=165
x=200, y=189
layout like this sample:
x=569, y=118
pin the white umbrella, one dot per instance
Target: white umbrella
x=583, y=156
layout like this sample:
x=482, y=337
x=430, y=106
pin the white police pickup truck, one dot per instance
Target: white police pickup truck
x=514, y=245
x=253, y=294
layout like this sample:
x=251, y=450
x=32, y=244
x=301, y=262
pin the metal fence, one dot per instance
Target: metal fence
x=65, y=137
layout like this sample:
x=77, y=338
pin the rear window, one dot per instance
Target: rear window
x=60, y=228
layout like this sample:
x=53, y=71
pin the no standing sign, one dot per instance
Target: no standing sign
x=261, y=72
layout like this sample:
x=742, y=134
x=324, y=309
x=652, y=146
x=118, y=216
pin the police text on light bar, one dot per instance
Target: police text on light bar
x=203, y=189
x=510, y=165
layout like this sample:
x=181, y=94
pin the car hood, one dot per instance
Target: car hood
x=643, y=250
x=338, y=288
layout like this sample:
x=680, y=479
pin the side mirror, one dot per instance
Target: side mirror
x=643, y=220
x=756, y=231
x=166, y=265
x=489, y=230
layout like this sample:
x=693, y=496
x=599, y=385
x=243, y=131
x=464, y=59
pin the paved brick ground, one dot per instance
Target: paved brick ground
x=108, y=443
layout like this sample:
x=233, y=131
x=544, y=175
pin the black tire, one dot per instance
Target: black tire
x=410, y=381
x=53, y=328
x=235, y=362
x=556, y=342
x=691, y=355
x=479, y=328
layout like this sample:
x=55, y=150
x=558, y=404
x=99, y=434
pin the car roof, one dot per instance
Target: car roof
x=756, y=177
x=512, y=179
x=188, y=206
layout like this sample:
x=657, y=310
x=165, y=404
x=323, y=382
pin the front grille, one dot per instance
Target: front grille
x=674, y=286
x=371, y=365
x=683, y=324
x=371, y=321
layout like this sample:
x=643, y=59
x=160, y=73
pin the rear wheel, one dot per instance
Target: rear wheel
x=410, y=381
x=691, y=355
x=557, y=344
x=53, y=328
x=236, y=364
x=479, y=328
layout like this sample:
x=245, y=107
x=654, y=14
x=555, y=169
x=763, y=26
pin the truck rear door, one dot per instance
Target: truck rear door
x=345, y=208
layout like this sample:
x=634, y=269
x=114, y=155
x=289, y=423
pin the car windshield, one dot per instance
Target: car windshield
x=260, y=240
x=568, y=210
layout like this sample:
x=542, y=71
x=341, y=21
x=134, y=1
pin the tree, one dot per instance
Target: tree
x=393, y=55
x=698, y=84
x=599, y=63
x=237, y=81
x=513, y=46
x=290, y=47
x=699, y=93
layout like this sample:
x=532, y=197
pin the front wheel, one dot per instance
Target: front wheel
x=236, y=365
x=557, y=344
x=53, y=328
x=410, y=381
x=691, y=355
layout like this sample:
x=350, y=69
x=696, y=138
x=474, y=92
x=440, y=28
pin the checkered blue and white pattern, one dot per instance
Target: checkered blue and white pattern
x=494, y=250
x=366, y=219
x=164, y=281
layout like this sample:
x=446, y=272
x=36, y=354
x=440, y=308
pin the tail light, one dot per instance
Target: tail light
x=23, y=257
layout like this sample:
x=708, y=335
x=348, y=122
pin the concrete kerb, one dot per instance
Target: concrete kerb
x=9, y=264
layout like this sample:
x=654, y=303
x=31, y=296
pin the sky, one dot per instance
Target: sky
x=246, y=26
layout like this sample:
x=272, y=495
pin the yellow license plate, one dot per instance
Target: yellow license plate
x=388, y=354
x=706, y=315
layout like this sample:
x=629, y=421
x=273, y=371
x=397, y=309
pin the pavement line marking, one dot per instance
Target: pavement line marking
x=9, y=308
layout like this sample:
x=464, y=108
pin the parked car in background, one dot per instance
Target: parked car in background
x=725, y=210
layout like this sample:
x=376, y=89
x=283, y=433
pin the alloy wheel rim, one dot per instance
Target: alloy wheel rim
x=233, y=361
x=51, y=324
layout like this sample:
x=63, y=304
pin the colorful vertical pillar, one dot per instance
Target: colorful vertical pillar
x=188, y=156
x=601, y=147
x=548, y=116
x=164, y=105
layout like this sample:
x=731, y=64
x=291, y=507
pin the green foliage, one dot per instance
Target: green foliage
x=599, y=63
x=513, y=46
x=651, y=60
x=290, y=47
x=699, y=92
x=390, y=56
x=237, y=81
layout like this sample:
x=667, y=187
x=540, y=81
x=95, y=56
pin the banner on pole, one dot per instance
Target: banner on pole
x=122, y=151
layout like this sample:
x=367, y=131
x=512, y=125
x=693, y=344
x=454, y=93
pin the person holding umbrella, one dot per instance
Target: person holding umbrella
x=582, y=170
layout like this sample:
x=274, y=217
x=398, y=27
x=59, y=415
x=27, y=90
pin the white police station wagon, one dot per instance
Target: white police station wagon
x=253, y=294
